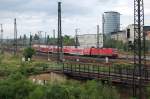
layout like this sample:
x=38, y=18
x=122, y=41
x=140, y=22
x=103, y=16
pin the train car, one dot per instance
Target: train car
x=101, y=52
x=71, y=50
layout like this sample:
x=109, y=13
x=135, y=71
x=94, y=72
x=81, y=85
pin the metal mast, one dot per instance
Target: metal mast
x=139, y=45
x=45, y=38
x=60, y=39
x=30, y=43
x=54, y=33
x=76, y=38
x=103, y=35
x=15, y=37
x=98, y=36
x=1, y=42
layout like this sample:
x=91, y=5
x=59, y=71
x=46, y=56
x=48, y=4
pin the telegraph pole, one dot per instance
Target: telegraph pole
x=139, y=46
x=60, y=39
x=15, y=37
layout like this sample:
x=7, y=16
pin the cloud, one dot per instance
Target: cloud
x=35, y=15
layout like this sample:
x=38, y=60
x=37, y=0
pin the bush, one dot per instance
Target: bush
x=28, y=53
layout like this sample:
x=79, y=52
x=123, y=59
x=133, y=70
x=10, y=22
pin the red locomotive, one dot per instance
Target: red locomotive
x=71, y=50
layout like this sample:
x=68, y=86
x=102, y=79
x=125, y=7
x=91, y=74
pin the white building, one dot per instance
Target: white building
x=130, y=32
x=120, y=36
x=90, y=40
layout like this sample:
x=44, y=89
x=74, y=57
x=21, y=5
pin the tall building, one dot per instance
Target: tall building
x=111, y=22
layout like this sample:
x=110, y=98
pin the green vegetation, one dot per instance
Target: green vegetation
x=111, y=43
x=17, y=86
x=67, y=41
x=28, y=53
x=15, y=82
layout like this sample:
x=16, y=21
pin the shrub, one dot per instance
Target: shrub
x=28, y=53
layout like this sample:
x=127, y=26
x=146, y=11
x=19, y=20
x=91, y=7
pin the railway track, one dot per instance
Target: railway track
x=86, y=59
x=81, y=58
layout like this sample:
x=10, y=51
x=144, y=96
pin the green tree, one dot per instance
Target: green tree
x=28, y=52
x=68, y=41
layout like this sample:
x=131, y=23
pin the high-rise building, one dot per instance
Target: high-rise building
x=111, y=22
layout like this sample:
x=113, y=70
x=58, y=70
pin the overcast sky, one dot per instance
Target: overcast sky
x=35, y=15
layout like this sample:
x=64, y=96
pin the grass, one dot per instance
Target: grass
x=10, y=63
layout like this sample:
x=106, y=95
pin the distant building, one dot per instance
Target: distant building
x=89, y=40
x=111, y=22
x=130, y=32
x=120, y=36
x=148, y=35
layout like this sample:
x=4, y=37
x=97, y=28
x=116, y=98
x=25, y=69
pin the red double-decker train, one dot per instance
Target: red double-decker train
x=71, y=50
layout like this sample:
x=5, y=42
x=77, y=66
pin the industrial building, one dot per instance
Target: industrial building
x=130, y=32
x=90, y=40
x=120, y=36
x=127, y=35
x=111, y=22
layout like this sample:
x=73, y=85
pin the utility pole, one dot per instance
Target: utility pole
x=54, y=38
x=76, y=38
x=7, y=42
x=103, y=23
x=139, y=46
x=54, y=33
x=45, y=38
x=1, y=41
x=60, y=39
x=40, y=36
x=15, y=37
x=30, y=43
x=98, y=36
